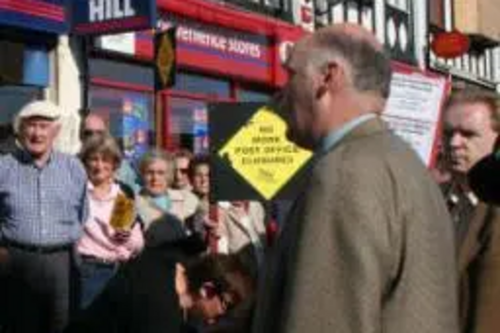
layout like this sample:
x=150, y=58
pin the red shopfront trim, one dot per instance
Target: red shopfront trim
x=232, y=18
x=278, y=33
x=120, y=85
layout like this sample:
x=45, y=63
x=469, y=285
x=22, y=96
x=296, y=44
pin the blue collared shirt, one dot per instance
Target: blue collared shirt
x=334, y=137
x=45, y=205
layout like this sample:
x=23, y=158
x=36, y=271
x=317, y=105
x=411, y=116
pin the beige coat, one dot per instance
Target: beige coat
x=237, y=235
x=368, y=247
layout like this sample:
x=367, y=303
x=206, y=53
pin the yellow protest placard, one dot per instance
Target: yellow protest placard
x=262, y=155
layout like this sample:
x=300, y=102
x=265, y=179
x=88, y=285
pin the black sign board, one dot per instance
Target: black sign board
x=230, y=180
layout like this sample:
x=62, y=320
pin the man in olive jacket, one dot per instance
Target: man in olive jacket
x=369, y=245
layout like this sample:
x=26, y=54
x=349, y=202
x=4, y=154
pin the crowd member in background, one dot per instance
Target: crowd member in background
x=157, y=198
x=110, y=235
x=242, y=229
x=471, y=118
x=468, y=136
x=201, y=223
x=43, y=205
x=199, y=176
x=181, y=177
x=159, y=290
x=93, y=124
x=231, y=227
x=368, y=246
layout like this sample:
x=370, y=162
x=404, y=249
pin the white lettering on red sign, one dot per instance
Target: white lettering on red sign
x=219, y=42
x=103, y=10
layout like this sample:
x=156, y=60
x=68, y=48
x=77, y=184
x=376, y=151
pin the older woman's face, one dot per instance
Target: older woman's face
x=155, y=176
x=100, y=168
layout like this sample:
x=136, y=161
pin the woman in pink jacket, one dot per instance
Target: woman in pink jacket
x=110, y=235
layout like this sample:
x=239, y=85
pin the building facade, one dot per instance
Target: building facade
x=29, y=32
x=407, y=28
x=226, y=52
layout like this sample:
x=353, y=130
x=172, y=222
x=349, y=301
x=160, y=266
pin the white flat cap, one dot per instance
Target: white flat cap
x=44, y=109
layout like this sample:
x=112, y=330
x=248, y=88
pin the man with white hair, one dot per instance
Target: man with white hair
x=368, y=246
x=42, y=205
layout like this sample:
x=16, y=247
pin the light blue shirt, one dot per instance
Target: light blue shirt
x=334, y=137
x=42, y=206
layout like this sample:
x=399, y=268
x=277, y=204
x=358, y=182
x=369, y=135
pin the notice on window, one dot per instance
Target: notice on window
x=413, y=110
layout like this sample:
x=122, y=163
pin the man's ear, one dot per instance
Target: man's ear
x=332, y=78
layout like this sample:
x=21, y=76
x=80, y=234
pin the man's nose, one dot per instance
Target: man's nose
x=456, y=140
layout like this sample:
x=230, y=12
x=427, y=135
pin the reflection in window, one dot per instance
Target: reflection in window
x=245, y=95
x=188, y=124
x=129, y=115
x=198, y=84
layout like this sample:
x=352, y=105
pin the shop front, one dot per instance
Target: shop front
x=28, y=33
x=223, y=55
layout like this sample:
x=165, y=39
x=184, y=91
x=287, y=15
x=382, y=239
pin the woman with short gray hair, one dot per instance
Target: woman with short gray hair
x=157, y=198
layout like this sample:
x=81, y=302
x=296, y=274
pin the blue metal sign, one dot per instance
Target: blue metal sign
x=99, y=17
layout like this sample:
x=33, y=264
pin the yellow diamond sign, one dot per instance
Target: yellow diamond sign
x=262, y=155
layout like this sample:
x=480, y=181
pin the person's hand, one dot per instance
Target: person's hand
x=210, y=224
x=121, y=236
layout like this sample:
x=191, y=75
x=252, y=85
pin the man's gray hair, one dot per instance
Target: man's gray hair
x=370, y=65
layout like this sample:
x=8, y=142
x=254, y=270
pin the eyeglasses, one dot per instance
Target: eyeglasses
x=227, y=298
x=88, y=133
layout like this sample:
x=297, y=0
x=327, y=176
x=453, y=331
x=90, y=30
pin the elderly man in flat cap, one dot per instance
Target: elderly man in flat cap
x=42, y=205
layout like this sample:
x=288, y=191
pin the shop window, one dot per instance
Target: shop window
x=204, y=85
x=13, y=99
x=248, y=95
x=188, y=124
x=129, y=115
x=121, y=72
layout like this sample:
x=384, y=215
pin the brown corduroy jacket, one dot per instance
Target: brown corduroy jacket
x=479, y=269
x=368, y=247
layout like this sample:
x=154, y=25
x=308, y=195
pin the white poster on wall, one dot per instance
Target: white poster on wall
x=122, y=43
x=413, y=110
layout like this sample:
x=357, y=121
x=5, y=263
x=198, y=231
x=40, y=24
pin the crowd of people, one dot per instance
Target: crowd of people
x=374, y=241
x=87, y=239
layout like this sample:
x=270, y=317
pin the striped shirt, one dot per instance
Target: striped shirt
x=42, y=206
